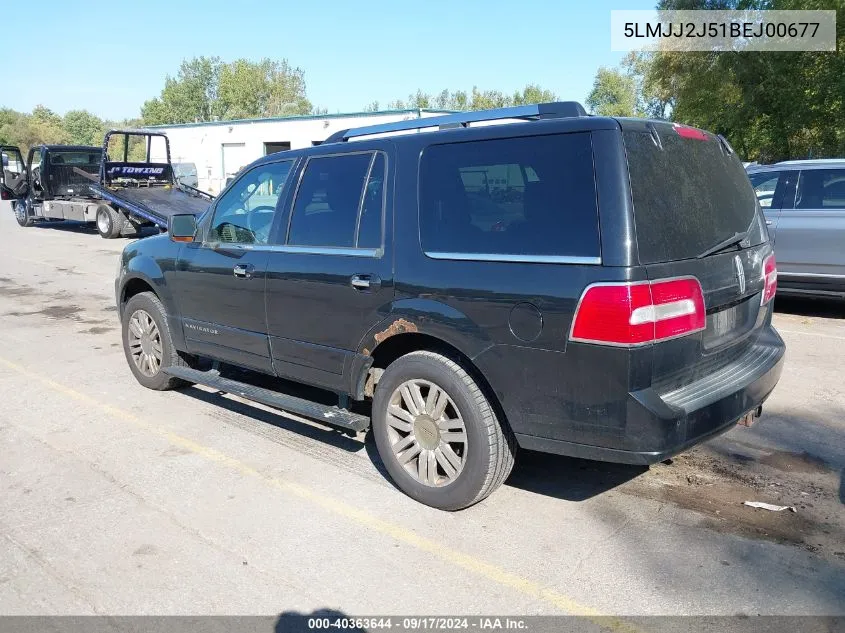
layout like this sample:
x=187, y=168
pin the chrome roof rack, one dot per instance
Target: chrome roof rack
x=555, y=110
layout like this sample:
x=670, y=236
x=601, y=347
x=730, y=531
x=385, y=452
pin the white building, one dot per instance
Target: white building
x=220, y=148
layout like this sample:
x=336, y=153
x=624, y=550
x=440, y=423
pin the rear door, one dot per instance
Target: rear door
x=219, y=280
x=13, y=175
x=811, y=232
x=691, y=193
x=331, y=278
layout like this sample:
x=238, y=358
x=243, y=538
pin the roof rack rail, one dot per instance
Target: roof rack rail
x=554, y=110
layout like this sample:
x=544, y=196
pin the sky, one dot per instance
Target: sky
x=110, y=57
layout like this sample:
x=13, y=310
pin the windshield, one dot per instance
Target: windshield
x=688, y=195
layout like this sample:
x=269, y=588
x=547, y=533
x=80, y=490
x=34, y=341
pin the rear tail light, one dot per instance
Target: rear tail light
x=770, y=279
x=4, y=195
x=637, y=313
x=685, y=131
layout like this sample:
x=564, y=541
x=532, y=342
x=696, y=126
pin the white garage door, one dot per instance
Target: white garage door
x=234, y=157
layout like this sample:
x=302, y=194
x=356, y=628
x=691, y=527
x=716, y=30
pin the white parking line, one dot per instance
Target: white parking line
x=838, y=338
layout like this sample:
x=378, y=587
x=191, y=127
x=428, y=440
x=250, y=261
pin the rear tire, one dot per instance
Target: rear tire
x=21, y=209
x=147, y=343
x=109, y=222
x=468, y=451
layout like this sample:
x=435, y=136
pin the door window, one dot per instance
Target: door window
x=372, y=208
x=12, y=162
x=244, y=214
x=821, y=189
x=12, y=171
x=339, y=203
x=765, y=183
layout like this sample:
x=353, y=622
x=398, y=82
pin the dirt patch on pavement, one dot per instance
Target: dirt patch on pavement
x=9, y=288
x=716, y=485
x=97, y=329
x=794, y=462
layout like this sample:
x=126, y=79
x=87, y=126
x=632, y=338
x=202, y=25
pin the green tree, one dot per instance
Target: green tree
x=48, y=126
x=206, y=88
x=652, y=99
x=614, y=93
x=190, y=96
x=770, y=105
x=83, y=128
x=474, y=100
x=267, y=88
x=533, y=93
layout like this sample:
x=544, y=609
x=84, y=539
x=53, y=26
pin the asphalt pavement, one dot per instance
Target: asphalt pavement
x=120, y=500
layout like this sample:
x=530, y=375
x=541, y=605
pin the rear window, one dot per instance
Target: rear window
x=75, y=157
x=525, y=196
x=688, y=195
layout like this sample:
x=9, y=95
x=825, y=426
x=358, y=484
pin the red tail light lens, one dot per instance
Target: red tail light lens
x=770, y=279
x=4, y=195
x=638, y=313
x=685, y=131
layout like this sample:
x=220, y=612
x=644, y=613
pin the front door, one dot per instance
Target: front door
x=13, y=173
x=220, y=279
x=330, y=280
x=811, y=232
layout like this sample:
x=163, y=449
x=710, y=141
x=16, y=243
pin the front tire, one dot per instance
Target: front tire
x=147, y=343
x=22, y=214
x=437, y=433
x=109, y=222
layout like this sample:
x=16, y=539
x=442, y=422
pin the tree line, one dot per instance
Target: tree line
x=771, y=106
x=208, y=89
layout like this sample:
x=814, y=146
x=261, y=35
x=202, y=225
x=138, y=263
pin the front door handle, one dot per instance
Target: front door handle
x=769, y=222
x=243, y=271
x=365, y=282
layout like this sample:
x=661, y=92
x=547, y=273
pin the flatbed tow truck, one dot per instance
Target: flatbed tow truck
x=87, y=184
x=140, y=193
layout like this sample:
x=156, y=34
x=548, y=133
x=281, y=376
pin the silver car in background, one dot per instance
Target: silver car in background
x=804, y=204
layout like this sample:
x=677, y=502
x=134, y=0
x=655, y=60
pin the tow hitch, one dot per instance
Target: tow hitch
x=751, y=417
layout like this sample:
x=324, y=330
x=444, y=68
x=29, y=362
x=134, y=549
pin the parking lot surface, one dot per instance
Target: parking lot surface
x=120, y=500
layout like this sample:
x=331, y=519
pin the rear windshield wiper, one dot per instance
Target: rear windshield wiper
x=733, y=240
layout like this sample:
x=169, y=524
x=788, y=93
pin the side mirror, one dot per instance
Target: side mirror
x=182, y=227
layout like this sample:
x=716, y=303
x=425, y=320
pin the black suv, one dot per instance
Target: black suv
x=581, y=285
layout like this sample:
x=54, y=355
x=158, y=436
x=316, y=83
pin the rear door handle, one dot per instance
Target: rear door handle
x=365, y=282
x=243, y=271
x=769, y=222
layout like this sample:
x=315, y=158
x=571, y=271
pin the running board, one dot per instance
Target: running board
x=331, y=415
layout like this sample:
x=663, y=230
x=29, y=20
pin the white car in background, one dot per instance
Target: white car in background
x=186, y=173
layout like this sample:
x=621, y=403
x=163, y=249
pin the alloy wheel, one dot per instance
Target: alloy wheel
x=145, y=343
x=427, y=432
x=103, y=222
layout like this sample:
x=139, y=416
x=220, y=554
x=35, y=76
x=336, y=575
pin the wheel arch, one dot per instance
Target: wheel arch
x=135, y=285
x=394, y=347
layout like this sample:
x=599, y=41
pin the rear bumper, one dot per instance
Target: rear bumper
x=668, y=423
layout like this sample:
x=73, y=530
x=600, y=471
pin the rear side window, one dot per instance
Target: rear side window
x=339, y=198
x=821, y=189
x=765, y=184
x=688, y=194
x=525, y=196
